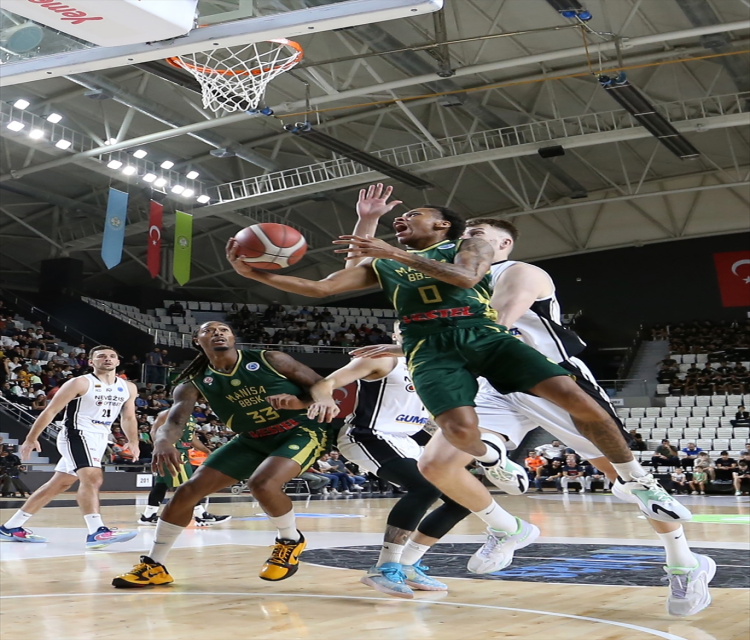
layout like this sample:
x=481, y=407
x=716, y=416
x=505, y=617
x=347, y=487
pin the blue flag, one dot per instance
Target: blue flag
x=114, y=228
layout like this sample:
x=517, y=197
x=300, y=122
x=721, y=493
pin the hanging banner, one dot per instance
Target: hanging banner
x=114, y=228
x=153, y=259
x=183, y=246
x=733, y=274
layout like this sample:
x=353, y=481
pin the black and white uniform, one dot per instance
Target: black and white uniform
x=516, y=414
x=88, y=423
x=386, y=423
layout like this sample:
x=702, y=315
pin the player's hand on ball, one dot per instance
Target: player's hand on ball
x=166, y=459
x=378, y=351
x=286, y=401
x=239, y=265
x=323, y=411
x=367, y=247
x=373, y=202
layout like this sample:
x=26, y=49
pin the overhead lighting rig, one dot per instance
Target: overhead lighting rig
x=305, y=130
x=636, y=104
x=570, y=9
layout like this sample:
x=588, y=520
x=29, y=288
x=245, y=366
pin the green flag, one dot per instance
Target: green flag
x=183, y=246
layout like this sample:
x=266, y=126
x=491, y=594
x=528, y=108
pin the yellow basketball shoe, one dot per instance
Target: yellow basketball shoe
x=284, y=560
x=146, y=573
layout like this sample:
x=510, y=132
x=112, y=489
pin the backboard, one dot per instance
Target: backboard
x=31, y=51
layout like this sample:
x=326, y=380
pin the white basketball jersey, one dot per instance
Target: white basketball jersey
x=99, y=407
x=541, y=326
x=389, y=405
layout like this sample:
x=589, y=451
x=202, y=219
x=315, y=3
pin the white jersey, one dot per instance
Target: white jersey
x=541, y=325
x=389, y=405
x=96, y=410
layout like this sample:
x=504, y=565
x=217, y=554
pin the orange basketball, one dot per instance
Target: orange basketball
x=271, y=246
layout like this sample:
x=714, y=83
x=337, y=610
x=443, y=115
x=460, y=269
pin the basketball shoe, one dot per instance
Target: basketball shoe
x=19, y=534
x=497, y=552
x=688, y=588
x=209, y=520
x=653, y=501
x=504, y=474
x=146, y=573
x=284, y=560
x=104, y=536
x=152, y=520
x=388, y=578
x=418, y=579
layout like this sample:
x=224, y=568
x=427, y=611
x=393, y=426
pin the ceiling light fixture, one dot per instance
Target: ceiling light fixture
x=188, y=193
x=110, y=141
x=63, y=144
x=167, y=164
x=192, y=175
x=114, y=164
x=178, y=189
x=54, y=118
x=204, y=199
x=129, y=170
x=160, y=183
x=140, y=153
x=36, y=134
x=15, y=125
x=21, y=104
x=149, y=177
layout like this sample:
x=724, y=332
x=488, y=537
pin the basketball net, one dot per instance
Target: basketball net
x=235, y=78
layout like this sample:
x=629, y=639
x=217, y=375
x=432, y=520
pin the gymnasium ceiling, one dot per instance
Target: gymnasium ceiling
x=636, y=191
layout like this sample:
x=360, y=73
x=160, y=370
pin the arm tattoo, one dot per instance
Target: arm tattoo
x=475, y=256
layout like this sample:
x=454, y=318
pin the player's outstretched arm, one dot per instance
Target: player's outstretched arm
x=471, y=264
x=361, y=277
x=166, y=459
x=371, y=206
x=517, y=288
x=298, y=373
x=68, y=391
x=324, y=407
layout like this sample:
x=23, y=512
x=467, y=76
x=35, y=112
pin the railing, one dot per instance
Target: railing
x=511, y=136
x=636, y=386
x=25, y=418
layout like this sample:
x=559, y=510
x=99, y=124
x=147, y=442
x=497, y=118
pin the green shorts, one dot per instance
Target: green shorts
x=242, y=455
x=184, y=473
x=444, y=366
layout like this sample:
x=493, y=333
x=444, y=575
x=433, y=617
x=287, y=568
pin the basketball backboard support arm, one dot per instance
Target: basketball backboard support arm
x=286, y=25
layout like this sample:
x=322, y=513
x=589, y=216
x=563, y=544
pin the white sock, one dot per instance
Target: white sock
x=677, y=548
x=93, y=522
x=490, y=455
x=198, y=511
x=413, y=552
x=149, y=511
x=629, y=470
x=391, y=552
x=286, y=525
x=164, y=539
x=18, y=519
x=497, y=518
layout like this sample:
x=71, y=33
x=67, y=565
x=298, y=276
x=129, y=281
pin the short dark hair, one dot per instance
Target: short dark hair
x=458, y=224
x=102, y=347
x=498, y=223
x=724, y=453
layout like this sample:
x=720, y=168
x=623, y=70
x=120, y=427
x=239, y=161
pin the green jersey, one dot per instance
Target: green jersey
x=426, y=305
x=188, y=433
x=239, y=397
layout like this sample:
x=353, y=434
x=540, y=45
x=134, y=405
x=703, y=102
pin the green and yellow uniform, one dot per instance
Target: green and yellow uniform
x=185, y=469
x=239, y=399
x=450, y=336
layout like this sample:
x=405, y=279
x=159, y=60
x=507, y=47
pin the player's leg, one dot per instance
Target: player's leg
x=155, y=498
x=445, y=467
x=13, y=530
x=99, y=535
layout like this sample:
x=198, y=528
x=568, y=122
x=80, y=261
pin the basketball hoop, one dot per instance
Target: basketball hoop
x=235, y=78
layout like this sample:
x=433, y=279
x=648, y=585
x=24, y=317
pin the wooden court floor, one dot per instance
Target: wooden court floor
x=60, y=591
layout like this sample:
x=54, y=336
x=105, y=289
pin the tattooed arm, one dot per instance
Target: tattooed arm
x=472, y=261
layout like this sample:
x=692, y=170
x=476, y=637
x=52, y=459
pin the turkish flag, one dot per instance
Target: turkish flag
x=346, y=398
x=733, y=272
x=154, y=239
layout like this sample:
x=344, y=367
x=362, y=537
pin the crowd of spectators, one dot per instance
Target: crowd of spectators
x=712, y=338
x=557, y=464
x=300, y=326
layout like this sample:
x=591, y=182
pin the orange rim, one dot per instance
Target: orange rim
x=175, y=61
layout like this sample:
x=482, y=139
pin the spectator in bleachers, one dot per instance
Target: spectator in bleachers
x=698, y=482
x=572, y=471
x=679, y=481
x=316, y=481
x=741, y=477
x=703, y=463
x=121, y=453
x=176, y=309
x=724, y=466
x=636, y=443
x=591, y=475
x=677, y=387
x=335, y=460
x=551, y=451
x=665, y=456
x=666, y=374
x=691, y=453
x=551, y=472
x=534, y=463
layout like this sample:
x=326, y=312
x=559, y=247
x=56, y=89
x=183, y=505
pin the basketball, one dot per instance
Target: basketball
x=271, y=246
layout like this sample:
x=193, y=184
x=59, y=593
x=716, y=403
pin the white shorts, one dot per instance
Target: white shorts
x=516, y=414
x=80, y=449
x=370, y=450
